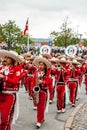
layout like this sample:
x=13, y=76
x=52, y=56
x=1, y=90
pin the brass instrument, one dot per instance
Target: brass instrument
x=60, y=67
x=36, y=90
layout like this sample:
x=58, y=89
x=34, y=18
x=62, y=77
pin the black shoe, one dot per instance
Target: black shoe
x=38, y=125
x=73, y=105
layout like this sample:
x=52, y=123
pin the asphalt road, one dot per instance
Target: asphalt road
x=27, y=116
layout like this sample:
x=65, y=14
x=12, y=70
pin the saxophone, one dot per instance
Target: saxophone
x=36, y=90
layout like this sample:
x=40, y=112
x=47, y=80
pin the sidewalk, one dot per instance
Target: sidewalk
x=80, y=119
x=77, y=120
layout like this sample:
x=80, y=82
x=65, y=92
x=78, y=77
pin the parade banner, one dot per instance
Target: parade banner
x=71, y=50
x=45, y=49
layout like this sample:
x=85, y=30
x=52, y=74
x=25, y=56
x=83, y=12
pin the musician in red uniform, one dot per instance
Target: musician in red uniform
x=63, y=75
x=73, y=82
x=30, y=80
x=42, y=81
x=10, y=75
x=53, y=77
x=85, y=74
x=84, y=71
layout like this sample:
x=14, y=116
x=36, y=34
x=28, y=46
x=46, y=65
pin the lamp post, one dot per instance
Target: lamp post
x=77, y=33
x=80, y=37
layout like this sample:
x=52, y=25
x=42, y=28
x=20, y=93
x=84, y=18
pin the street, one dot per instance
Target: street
x=53, y=120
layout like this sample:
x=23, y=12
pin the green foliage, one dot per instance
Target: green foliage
x=2, y=36
x=65, y=37
x=85, y=42
x=10, y=33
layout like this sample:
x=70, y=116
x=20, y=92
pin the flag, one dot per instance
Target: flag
x=25, y=30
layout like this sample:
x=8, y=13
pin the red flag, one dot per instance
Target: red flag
x=25, y=30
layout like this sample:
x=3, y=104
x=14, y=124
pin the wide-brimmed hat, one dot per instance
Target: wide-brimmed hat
x=75, y=62
x=39, y=59
x=64, y=60
x=85, y=56
x=28, y=54
x=12, y=54
x=53, y=59
x=79, y=59
x=46, y=55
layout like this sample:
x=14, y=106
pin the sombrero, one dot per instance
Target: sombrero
x=80, y=59
x=28, y=54
x=85, y=56
x=53, y=59
x=46, y=55
x=63, y=60
x=39, y=59
x=75, y=62
x=12, y=54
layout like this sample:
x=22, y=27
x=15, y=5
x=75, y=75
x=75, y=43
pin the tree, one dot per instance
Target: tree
x=85, y=42
x=2, y=37
x=11, y=33
x=65, y=36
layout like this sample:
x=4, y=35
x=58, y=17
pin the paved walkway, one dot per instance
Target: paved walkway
x=77, y=120
x=80, y=119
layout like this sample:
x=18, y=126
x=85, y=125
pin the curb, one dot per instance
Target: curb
x=71, y=117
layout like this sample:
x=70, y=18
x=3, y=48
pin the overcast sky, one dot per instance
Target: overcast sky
x=45, y=16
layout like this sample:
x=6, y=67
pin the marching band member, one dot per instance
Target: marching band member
x=61, y=84
x=42, y=81
x=84, y=69
x=31, y=78
x=73, y=82
x=10, y=75
x=53, y=79
x=25, y=66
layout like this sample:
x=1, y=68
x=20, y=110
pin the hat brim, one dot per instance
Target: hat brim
x=47, y=55
x=54, y=60
x=28, y=54
x=64, y=61
x=76, y=63
x=80, y=60
x=6, y=53
x=37, y=60
x=85, y=56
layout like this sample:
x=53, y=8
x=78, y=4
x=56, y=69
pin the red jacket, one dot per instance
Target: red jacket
x=11, y=78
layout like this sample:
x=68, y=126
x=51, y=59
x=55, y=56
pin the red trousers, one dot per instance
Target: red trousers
x=86, y=83
x=73, y=88
x=30, y=85
x=80, y=80
x=41, y=106
x=7, y=102
x=60, y=90
x=51, y=89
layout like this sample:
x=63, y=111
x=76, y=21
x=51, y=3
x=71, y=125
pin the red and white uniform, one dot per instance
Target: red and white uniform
x=8, y=95
x=60, y=90
x=84, y=71
x=73, y=84
x=53, y=74
x=42, y=95
x=31, y=80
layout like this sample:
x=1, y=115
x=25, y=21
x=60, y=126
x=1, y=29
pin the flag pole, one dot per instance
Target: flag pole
x=28, y=45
